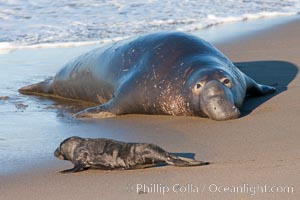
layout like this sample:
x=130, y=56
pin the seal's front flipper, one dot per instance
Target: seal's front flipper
x=77, y=168
x=44, y=87
x=102, y=111
x=256, y=89
x=184, y=162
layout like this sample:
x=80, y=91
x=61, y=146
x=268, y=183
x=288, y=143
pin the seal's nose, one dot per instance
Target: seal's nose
x=57, y=153
x=217, y=102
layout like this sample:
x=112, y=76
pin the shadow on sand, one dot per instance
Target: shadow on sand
x=185, y=155
x=276, y=73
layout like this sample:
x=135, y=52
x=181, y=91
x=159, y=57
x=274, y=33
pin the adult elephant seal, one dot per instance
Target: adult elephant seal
x=111, y=154
x=160, y=73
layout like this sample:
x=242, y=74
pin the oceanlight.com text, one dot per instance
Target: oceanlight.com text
x=249, y=189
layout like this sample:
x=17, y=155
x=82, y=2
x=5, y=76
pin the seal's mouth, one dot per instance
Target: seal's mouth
x=58, y=154
x=220, y=109
x=217, y=102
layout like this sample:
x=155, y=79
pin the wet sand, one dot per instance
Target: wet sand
x=254, y=157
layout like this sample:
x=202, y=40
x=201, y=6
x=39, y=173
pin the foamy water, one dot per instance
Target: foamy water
x=47, y=23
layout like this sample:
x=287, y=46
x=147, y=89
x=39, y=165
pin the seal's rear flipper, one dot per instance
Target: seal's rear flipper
x=44, y=87
x=184, y=162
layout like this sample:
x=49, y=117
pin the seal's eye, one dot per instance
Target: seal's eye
x=226, y=81
x=198, y=86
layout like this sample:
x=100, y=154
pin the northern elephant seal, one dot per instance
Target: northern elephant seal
x=110, y=154
x=160, y=73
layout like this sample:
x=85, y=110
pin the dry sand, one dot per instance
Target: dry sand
x=250, y=155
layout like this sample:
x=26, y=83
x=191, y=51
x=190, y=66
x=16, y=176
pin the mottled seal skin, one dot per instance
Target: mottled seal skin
x=161, y=73
x=110, y=154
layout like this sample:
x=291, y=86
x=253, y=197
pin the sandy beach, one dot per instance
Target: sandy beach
x=254, y=157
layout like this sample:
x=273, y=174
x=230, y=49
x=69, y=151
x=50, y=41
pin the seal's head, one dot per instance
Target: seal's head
x=65, y=151
x=216, y=94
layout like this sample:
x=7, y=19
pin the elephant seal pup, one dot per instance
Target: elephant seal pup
x=161, y=73
x=111, y=154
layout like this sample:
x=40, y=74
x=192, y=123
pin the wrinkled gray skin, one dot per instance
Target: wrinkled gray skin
x=111, y=154
x=160, y=73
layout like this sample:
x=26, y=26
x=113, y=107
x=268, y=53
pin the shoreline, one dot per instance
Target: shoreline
x=260, y=148
x=211, y=33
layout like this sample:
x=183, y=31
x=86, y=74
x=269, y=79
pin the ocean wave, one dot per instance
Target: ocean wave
x=213, y=20
x=46, y=24
x=6, y=47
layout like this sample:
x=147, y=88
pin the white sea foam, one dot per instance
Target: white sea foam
x=47, y=23
x=6, y=47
